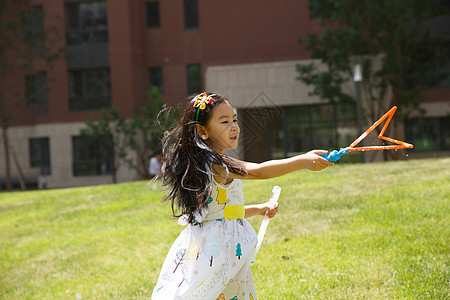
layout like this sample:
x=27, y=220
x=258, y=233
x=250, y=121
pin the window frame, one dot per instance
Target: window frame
x=158, y=80
x=191, y=14
x=420, y=131
x=39, y=150
x=150, y=21
x=76, y=32
x=310, y=119
x=33, y=27
x=96, y=160
x=86, y=100
x=36, y=92
x=194, y=85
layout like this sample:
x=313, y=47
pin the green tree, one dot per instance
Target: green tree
x=134, y=139
x=238, y=250
x=391, y=39
x=23, y=38
x=144, y=131
x=108, y=129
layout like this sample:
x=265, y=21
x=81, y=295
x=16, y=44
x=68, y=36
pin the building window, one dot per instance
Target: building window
x=86, y=22
x=89, y=89
x=313, y=9
x=156, y=78
x=194, y=79
x=152, y=14
x=442, y=70
x=428, y=134
x=36, y=92
x=190, y=14
x=33, y=27
x=91, y=156
x=431, y=67
x=40, y=154
x=309, y=127
x=306, y=127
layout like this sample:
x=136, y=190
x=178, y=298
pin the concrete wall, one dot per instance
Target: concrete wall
x=260, y=84
x=61, y=156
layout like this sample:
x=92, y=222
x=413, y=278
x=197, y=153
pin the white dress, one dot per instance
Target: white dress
x=211, y=259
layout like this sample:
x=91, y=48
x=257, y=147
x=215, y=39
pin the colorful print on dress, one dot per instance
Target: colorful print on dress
x=214, y=259
x=238, y=250
x=180, y=257
x=211, y=248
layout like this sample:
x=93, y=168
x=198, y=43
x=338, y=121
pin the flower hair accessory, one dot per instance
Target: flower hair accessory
x=200, y=102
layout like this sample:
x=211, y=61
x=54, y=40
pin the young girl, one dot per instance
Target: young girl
x=211, y=257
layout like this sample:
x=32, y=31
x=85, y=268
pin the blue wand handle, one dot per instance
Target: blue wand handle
x=335, y=155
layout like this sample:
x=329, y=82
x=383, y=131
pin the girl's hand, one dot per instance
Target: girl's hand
x=269, y=209
x=314, y=160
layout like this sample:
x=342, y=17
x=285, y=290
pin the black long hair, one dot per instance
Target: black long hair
x=188, y=162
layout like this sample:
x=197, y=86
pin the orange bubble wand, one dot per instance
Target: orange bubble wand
x=335, y=155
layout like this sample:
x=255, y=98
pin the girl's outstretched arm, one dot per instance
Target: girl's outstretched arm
x=261, y=209
x=312, y=160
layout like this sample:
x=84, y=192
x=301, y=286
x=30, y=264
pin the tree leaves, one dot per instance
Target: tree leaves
x=391, y=39
x=136, y=138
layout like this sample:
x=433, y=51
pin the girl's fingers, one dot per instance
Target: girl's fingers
x=321, y=163
x=319, y=152
x=325, y=161
x=272, y=211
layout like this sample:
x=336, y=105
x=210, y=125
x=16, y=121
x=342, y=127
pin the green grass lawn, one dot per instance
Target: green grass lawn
x=374, y=231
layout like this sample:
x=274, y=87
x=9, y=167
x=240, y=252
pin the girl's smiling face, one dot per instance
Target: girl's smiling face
x=222, y=130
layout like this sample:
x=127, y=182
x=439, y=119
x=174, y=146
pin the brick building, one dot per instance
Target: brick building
x=116, y=49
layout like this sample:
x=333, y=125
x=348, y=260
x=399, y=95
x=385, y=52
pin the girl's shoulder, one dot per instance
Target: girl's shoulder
x=225, y=182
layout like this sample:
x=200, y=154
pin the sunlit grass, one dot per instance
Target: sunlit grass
x=374, y=231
